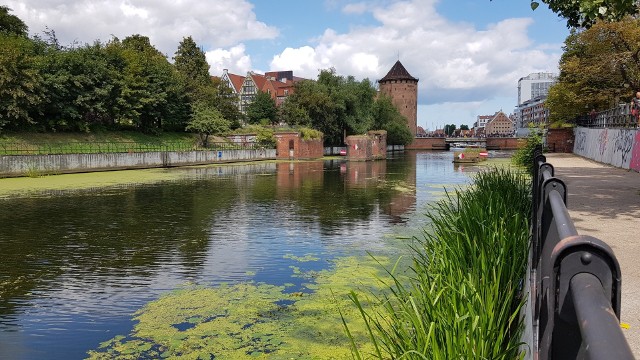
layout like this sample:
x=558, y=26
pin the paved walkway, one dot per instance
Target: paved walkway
x=604, y=202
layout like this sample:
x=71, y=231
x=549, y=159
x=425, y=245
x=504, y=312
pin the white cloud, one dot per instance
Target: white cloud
x=455, y=62
x=234, y=59
x=355, y=8
x=219, y=23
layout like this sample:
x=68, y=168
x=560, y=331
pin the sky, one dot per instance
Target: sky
x=467, y=54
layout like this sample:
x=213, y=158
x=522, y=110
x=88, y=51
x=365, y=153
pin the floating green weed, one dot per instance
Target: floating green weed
x=305, y=258
x=248, y=320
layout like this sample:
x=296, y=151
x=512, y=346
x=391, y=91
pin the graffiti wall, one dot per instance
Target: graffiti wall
x=618, y=147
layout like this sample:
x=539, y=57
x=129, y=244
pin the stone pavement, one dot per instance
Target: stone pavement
x=604, y=202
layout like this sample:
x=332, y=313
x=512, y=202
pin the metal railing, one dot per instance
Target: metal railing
x=114, y=147
x=617, y=117
x=574, y=282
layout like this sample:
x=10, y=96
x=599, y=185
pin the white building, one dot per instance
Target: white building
x=535, y=85
x=532, y=93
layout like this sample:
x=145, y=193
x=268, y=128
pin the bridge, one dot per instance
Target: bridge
x=442, y=143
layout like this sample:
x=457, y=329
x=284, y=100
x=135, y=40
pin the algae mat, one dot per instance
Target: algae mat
x=255, y=320
x=23, y=186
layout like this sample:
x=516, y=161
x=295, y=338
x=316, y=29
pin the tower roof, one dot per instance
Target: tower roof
x=398, y=72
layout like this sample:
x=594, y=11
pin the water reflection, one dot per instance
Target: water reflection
x=76, y=264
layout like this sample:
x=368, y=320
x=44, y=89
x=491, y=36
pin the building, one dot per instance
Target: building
x=402, y=88
x=535, y=85
x=481, y=121
x=278, y=84
x=500, y=125
x=533, y=112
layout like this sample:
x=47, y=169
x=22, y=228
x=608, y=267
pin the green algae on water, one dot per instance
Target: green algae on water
x=305, y=258
x=29, y=186
x=253, y=320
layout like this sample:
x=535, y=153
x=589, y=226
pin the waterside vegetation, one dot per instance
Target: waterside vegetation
x=462, y=296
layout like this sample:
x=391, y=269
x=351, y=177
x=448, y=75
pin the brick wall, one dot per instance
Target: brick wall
x=427, y=144
x=560, y=140
x=509, y=143
x=291, y=146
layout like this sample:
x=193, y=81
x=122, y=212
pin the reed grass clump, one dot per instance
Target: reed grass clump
x=463, y=293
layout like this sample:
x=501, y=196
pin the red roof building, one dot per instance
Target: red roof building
x=278, y=84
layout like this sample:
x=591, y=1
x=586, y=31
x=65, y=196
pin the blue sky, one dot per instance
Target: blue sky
x=468, y=54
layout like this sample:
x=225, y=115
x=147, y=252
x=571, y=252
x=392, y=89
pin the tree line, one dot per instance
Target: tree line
x=129, y=84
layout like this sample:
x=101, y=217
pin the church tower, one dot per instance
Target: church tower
x=402, y=88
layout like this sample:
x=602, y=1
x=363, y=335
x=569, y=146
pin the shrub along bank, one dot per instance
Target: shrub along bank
x=462, y=296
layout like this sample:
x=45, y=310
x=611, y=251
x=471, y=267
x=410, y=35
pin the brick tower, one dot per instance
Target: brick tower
x=402, y=88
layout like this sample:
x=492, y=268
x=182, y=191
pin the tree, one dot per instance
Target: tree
x=387, y=117
x=449, y=129
x=21, y=86
x=11, y=24
x=193, y=70
x=585, y=13
x=335, y=105
x=599, y=68
x=151, y=92
x=82, y=87
x=191, y=62
x=262, y=109
x=224, y=99
x=464, y=127
x=207, y=121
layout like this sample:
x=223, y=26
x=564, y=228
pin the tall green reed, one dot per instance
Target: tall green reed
x=462, y=295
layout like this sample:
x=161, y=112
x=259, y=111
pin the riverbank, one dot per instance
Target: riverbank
x=28, y=140
x=604, y=202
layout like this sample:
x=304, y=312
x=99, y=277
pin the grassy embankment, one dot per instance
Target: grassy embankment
x=462, y=297
x=115, y=141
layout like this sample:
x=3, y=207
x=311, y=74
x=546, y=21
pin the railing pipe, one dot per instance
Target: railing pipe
x=561, y=216
x=602, y=337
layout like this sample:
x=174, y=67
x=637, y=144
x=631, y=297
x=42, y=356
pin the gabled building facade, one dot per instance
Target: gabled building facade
x=278, y=84
x=500, y=125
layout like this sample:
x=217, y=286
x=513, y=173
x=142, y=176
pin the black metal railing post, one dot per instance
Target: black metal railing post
x=575, y=281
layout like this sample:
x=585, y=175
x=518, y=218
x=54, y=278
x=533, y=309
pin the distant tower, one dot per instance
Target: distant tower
x=402, y=88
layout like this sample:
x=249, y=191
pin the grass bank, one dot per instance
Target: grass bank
x=116, y=141
x=462, y=296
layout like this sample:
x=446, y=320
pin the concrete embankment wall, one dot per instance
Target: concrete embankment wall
x=618, y=147
x=20, y=165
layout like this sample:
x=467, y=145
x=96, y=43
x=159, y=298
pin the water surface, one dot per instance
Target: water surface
x=76, y=263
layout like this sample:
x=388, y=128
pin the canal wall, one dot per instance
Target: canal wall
x=21, y=165
x=617, y=147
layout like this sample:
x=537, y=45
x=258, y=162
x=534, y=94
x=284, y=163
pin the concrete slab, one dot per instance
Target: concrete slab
x=604, y=202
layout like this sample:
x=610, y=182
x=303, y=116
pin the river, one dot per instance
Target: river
x=76, y=263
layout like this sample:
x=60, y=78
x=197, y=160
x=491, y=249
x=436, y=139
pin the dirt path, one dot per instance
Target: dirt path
x=604, y=202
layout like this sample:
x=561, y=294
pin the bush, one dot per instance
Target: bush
x=524, y=155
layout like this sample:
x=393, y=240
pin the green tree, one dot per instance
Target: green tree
x=207, y=121
x=599, y=68
x=585, y=13
x=82, y=87
x=193, y=70
x=21, y=86
x=224, y=99
x=387, y=117
x=335, y=105
x=151, y=94
x=449, y=129
x=262, y=109
x=11, y=24
x=464, y=127
x=293, y=114
x=191, y=62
